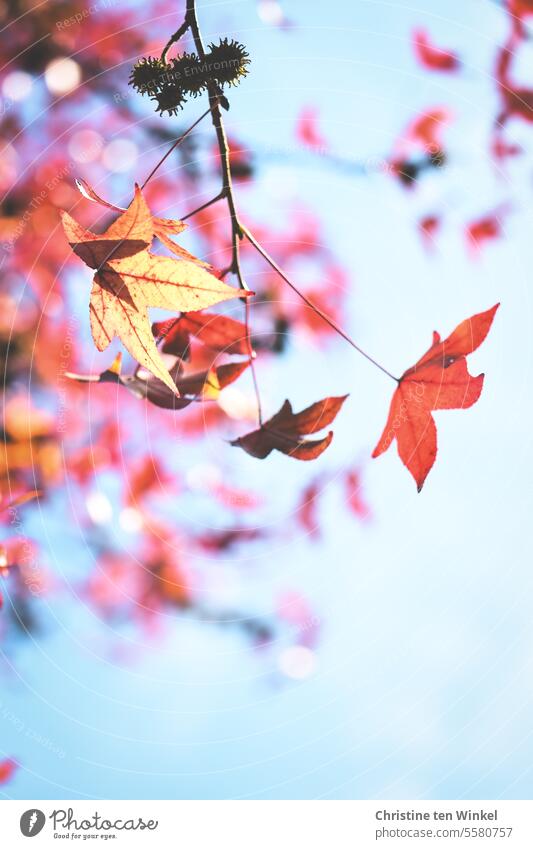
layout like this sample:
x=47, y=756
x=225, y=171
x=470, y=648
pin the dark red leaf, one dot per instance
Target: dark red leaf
x=218, y=332
x=286, y=431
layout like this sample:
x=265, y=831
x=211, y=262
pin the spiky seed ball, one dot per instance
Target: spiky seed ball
x=190, y=74
x=148, y=75
x=170, y=99
x=227, y=62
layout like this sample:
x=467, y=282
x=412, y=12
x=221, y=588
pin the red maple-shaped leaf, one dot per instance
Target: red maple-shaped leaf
x=218, y=332
x=286, y=431
x=439, y=380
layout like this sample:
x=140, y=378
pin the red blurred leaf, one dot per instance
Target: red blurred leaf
x=295, y=609
x=432, y=57
x=240, y=160
x=19, y=500
x=426, y=129
x=439, y=380
x=516, y=99
x=354, y=495
x=520, y=8
x=307, y=512
x=502, y=149
x=484, y=229
x=429, y=227
x=8, y=768
x=236, y=499
x=286, y=430
x=147, y=476
x=226, y=539
x=307, y=129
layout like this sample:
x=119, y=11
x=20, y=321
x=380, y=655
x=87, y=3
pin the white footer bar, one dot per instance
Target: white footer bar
x=268, y=824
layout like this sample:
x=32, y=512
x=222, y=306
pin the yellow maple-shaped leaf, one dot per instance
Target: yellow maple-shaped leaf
x=164, y=228
x=130, y=233
x=129, y=280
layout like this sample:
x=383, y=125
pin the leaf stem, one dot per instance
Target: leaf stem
x=333, y=324
x=175, y=145
x=203, y=206
x=174, y=38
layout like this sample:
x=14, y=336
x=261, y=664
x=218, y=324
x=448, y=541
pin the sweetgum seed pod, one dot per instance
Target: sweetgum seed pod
x=148, y=75
x=170, y=99
x=228, y=61
x=190, y=74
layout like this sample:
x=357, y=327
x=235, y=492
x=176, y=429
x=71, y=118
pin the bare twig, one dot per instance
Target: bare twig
x=238, y=230
x=173, y=39
x=226, y=191
x=203, y=206
x=175, y=145
x=333, y=324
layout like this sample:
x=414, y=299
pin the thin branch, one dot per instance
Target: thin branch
x=173, y=39
x=333, y=324
x=175, y=145
x=237, y=228
x=151, y=174
x=215, y=98
x=203, y=206
x=251, y=359
x=238, y=231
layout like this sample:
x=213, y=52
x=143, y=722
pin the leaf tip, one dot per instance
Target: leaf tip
x=491, y=312
x=116, y=365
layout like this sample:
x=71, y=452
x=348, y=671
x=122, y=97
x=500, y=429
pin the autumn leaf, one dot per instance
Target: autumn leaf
x=163, y=228
x=431, y=57
x=485, y=229
x=207, y=384
x=29, y=444
x=19, y=500
x=130, y=279
x=147, y=476
x=197, y=386
x=228, y=538
x=8, y=767
x=286, y=431
x=428, y=227
x=354, y=495
x=218, y=332
x=426, y=129
x=307, y=130
x=307, y=510
x=439, y=380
